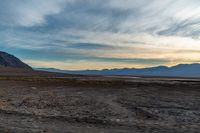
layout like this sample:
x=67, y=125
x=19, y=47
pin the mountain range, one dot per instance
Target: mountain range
x=181, y=70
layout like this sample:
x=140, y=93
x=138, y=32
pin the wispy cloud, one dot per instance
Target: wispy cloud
x=28, y=13
x=128, y=33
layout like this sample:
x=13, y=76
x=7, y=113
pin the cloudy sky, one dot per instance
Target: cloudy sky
x=97, y=34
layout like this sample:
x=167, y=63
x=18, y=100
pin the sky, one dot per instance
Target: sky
x=101, y=34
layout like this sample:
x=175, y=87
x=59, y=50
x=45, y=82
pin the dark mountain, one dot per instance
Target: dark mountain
x=10, y=61
x=181, y=70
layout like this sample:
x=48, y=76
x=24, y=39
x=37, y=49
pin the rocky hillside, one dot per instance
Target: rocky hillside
x=7, y=60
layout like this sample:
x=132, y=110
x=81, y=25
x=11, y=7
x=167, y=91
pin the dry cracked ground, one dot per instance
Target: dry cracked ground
x=99, y=105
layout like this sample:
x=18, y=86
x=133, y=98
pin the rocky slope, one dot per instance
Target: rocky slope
x=7, y=60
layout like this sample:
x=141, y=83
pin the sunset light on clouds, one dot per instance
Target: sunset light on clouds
x=98, y=34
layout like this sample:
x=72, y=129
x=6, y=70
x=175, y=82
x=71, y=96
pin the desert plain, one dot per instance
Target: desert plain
x=98, y=104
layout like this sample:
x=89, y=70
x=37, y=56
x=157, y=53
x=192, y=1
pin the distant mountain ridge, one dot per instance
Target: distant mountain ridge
x=10, y=61
x=181, y=70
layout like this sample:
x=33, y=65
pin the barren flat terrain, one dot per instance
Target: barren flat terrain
x=99, y=104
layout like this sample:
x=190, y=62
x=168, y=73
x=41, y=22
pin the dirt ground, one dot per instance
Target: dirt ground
x=99, y=105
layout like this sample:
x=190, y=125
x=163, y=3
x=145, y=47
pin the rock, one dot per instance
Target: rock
x=7, y=60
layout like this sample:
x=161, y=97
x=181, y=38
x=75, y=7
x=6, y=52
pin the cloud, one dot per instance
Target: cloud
x=28, y=13
x=82, y=64
x=89, y=46
x=106, y=31
x=180, y=18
